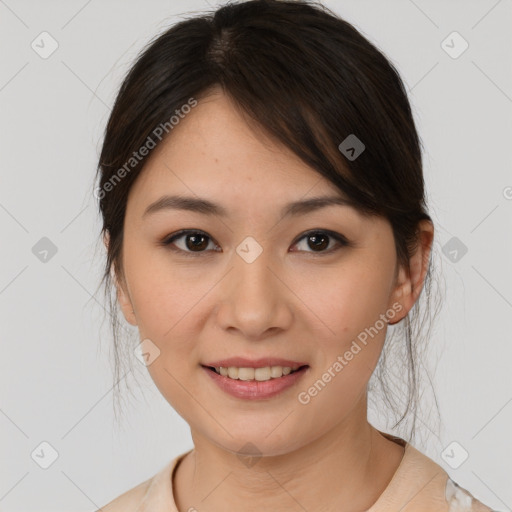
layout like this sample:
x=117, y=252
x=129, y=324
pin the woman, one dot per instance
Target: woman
x=264, y=216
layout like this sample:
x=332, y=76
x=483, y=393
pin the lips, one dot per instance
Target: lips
x=254, y=389
x=242, y=362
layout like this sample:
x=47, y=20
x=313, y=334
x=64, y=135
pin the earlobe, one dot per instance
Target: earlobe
x=397, y=302
x=106, y=239
x=125, y=304
x=122, y=295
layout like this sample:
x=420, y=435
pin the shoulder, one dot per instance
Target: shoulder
x=154, y=494
x=128, y=501
x=420, y=484
x=460, y=499
x=437, y=489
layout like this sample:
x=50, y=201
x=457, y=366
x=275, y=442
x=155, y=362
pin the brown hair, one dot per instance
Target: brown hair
x=308, y=79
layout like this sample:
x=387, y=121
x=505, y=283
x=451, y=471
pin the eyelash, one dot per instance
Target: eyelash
x=169, y=240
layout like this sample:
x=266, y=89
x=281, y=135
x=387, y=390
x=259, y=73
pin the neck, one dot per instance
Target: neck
x=346, y=468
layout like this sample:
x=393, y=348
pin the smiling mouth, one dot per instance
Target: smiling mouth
x=255, y=374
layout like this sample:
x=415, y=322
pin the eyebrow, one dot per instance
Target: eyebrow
x=206, y=207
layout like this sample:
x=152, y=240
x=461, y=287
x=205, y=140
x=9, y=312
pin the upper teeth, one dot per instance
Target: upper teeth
x=266, y=373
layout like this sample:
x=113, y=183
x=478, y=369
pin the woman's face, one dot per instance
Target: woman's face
x=253, y=284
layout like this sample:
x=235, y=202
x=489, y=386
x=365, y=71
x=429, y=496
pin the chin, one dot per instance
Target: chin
x=257, y=442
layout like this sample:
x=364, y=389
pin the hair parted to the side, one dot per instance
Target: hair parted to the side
x=308, y=79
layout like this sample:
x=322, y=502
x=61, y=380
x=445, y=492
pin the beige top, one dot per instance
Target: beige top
x=418, y=485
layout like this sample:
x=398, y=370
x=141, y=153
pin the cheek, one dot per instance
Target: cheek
x=346, y=300
x=168, y=302
x=161, y=295
x=350, y=305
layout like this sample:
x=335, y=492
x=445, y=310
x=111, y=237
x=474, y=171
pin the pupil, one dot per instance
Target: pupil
x=316, y=239
x=194, y=239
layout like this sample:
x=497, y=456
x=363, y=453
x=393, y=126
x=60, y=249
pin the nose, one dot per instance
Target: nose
x=255, y=298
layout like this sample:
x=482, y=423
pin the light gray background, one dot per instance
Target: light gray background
x=55, y=369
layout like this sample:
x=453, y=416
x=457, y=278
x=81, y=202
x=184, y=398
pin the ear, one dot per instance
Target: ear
x=409, y=284
x=122, y=294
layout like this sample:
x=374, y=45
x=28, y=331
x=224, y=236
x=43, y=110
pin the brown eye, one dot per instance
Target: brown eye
x=196, y=242
x=193, y=242
x=319, y=241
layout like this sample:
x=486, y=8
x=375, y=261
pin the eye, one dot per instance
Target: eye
x=319, y=240
x=196, y=242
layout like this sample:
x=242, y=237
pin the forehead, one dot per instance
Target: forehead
x=216, y=150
